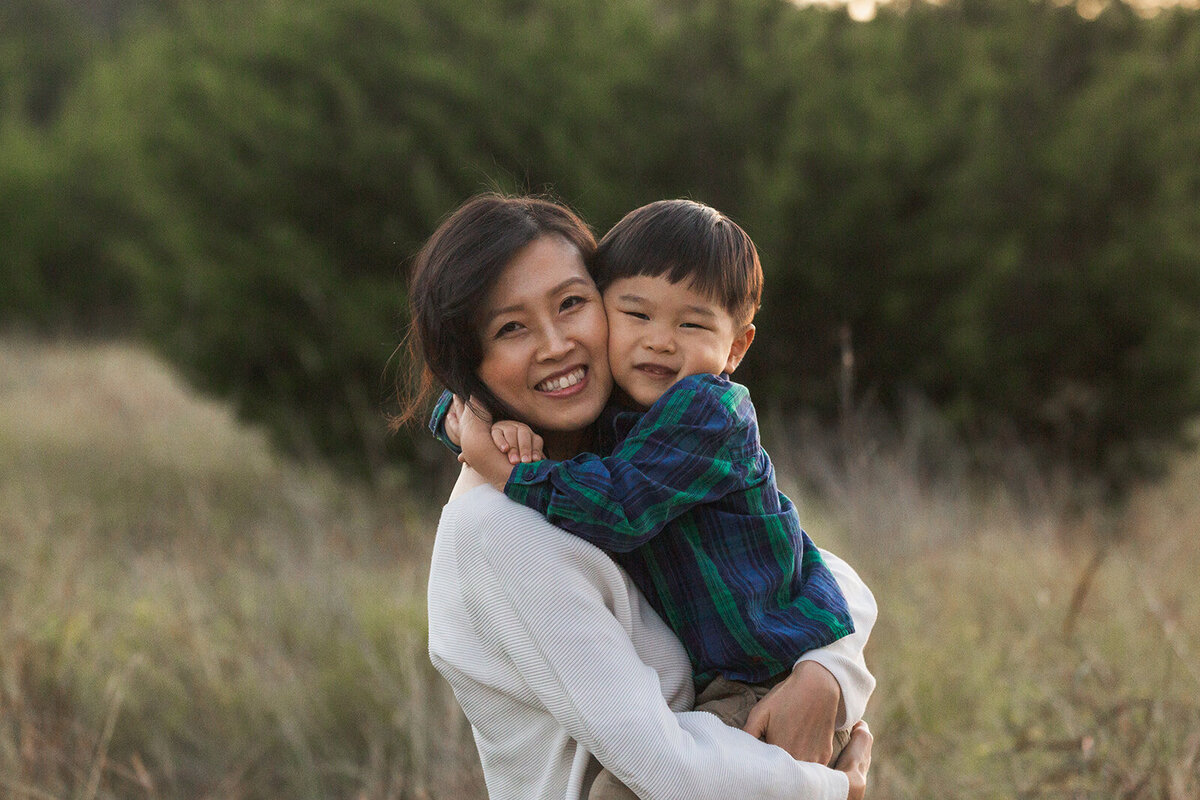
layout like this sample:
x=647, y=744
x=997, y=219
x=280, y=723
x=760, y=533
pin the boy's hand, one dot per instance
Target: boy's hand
x=453, y=423
x=800, y=713
x=479, y=450
x=518, y=441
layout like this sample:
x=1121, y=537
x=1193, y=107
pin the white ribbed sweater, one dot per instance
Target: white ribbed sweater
x=554, y=656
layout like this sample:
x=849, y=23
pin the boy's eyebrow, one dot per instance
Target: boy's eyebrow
x=703, y=311
x=518, y=306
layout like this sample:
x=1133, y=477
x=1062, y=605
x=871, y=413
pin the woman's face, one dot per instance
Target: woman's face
x=545, y=339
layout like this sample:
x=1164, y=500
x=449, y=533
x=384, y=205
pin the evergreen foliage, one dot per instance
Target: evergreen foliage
x=996, y=199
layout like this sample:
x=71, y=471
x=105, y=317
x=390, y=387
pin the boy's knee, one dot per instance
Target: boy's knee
x=730, y=701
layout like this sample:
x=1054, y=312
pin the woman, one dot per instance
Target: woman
x=553, y=654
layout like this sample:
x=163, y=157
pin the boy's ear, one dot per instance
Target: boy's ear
x=737, y=351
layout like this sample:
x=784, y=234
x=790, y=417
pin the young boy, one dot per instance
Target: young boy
x=686, y=500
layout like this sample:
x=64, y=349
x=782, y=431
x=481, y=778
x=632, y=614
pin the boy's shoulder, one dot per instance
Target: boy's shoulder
x=711, y=403
x=714, y=393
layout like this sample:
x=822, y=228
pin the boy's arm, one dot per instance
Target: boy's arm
x=437, y=422
x=828, y=688
x=694, y=446
x=844, y=658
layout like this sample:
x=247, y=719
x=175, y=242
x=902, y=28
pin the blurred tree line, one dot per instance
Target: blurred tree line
x=996, y=203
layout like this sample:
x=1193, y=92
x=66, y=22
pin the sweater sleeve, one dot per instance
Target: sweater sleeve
x=696, y=444
x=567, y=622
x=844, y=658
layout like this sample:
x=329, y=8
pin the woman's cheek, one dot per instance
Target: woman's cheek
x=599, y=329
x=503, y=368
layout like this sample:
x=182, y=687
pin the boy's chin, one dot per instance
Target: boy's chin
x=621, y=398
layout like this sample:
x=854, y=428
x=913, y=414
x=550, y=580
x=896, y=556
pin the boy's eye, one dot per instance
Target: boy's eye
x=636, y=314
x=695, y=325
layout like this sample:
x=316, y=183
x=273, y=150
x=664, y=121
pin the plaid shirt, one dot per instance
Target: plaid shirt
x=687, y=504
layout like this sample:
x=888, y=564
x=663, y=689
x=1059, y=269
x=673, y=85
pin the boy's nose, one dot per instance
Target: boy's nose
x=660, y=342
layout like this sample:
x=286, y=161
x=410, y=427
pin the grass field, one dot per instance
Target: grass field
x=184, y=614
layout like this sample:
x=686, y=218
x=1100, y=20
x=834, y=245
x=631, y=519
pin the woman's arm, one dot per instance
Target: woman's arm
x=844, y=658
x=580, y=634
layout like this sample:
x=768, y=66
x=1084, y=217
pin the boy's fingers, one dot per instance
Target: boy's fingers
x=525, y=443
x=500, y=438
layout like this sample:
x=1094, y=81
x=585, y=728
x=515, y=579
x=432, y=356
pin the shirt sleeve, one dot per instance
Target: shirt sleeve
x=697, y=444
x=567, y=624
x=437, y=422
x=844, y=658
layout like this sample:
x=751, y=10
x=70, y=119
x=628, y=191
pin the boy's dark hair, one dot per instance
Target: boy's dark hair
x=685, y=242
x=451, y=279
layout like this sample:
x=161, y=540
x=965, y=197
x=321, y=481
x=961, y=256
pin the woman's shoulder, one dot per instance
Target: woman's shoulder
x=484, y=507
x=502, y=529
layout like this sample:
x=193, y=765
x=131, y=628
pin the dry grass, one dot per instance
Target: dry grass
x=185, y=615
x=989, y=687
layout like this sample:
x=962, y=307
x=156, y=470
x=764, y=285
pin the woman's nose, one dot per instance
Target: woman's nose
x=554, y=344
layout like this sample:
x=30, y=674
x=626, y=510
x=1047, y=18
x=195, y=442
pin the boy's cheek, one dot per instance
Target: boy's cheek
x=618, y=344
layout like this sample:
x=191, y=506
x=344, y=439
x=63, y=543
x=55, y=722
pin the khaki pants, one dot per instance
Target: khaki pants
x=731, y=702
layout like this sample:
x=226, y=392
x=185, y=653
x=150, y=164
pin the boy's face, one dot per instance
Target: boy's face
x=660, y=332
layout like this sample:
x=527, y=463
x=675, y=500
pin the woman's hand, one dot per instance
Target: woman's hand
x=800, y=713
x=855, y=760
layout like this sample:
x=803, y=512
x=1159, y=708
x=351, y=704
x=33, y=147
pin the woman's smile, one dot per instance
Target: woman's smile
x=566, y=382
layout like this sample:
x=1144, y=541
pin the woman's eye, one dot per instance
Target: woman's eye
x=507, y=328
x=571, y=302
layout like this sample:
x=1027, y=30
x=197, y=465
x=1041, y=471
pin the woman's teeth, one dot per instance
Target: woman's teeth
x=562, y=382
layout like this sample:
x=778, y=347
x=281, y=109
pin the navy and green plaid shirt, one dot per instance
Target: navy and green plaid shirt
x=687, y=504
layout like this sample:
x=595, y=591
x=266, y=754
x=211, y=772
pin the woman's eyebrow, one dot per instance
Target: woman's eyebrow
x=496, y=312
x=568, y=282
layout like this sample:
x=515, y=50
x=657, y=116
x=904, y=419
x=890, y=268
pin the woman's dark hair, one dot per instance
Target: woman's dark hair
x=451, y=278
x=685, y=242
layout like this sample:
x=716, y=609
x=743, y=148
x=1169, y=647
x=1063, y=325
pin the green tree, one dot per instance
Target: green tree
x=997, y=200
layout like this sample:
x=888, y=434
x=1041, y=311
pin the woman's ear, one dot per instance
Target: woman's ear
x=737, y=351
